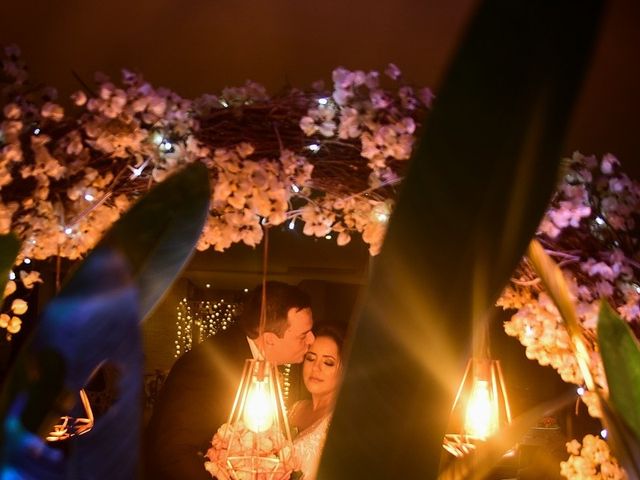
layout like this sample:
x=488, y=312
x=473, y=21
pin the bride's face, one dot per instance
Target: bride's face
x=321, y=367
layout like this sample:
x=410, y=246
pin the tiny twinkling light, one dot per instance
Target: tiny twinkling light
x=198, y=320
x=285, y=371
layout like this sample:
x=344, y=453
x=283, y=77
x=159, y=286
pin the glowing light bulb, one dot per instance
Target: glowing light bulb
x=323, y=101
x=157, y=138
x=580, y=391
x=604, y=433
x=27, y=261
x=314, y=147
x=292, y=224
x=136, y=172
x=480, y=419
x=88, y=197
x=295, y=188
x=68, y=230
x=12, y=275
x=382, y=217
x=258, y=411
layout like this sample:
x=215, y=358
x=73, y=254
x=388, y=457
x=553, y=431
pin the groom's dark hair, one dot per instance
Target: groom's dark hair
x=280, y=298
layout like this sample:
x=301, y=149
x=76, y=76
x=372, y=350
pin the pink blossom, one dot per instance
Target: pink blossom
x=393, y=72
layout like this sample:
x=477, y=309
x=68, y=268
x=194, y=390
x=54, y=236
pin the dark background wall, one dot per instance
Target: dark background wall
x=200, y=46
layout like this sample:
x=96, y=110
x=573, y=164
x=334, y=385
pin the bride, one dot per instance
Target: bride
x=321, y=372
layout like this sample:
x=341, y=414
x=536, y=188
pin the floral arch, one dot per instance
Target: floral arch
x=328, y=159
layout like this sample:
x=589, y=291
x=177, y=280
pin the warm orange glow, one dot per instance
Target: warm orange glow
x=258, y=414
x=481, y=418
x=481, y=407
x=69, y=426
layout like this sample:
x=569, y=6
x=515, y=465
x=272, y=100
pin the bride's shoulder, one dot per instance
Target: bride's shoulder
x=298, y=408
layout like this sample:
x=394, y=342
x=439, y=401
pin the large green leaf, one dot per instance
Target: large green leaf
x=158, y=234
x=475, y=191
x=620, y=353
x=624, y=442
x=95, y=318
x=9, y=247
x=621, y=358
x=557, y=288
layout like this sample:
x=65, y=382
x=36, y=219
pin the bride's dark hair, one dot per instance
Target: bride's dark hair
x=334, y=332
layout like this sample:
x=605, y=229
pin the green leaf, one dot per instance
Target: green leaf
x=158, y=234
x=620, y=353
x=84, y=325
x=557, y=288
x=9, y=248
x=475, y=191
x=624, y=443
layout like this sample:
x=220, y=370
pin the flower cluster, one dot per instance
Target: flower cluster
x=591, y=461
x=327, y=159
x=271, y=452
x=591, y=228
x=17, y=287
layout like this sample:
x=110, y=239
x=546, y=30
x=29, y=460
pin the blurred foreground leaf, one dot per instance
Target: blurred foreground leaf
x=475, y=190
x=158, y=234
x=95, y=319
x=620, y=353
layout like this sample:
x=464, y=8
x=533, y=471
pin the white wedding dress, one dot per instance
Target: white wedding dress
x=308, y=446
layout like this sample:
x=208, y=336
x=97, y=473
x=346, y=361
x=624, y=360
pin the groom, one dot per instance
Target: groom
x=199, y=392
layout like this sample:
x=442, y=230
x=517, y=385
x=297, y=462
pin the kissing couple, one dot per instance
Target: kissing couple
x=198, y=395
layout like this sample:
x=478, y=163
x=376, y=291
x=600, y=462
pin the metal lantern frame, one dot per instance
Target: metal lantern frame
x=479, y=370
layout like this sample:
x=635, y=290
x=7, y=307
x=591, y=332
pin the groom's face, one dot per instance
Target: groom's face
x=294, y=343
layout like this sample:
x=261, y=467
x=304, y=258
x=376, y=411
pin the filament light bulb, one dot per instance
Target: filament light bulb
x=480, y=419
x=258, y=410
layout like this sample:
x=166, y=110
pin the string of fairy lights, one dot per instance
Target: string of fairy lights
x=196, y=320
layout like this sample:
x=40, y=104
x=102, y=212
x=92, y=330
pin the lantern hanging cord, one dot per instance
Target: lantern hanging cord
x=263, y=302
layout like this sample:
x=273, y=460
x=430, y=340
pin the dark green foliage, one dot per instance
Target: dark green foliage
x=158, y=234
x=95, y=319
x=474, y=193
x=620, y=353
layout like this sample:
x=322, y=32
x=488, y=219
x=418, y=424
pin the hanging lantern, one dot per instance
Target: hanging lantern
x=70, y=426
x=480, y=409
x=258, y=437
